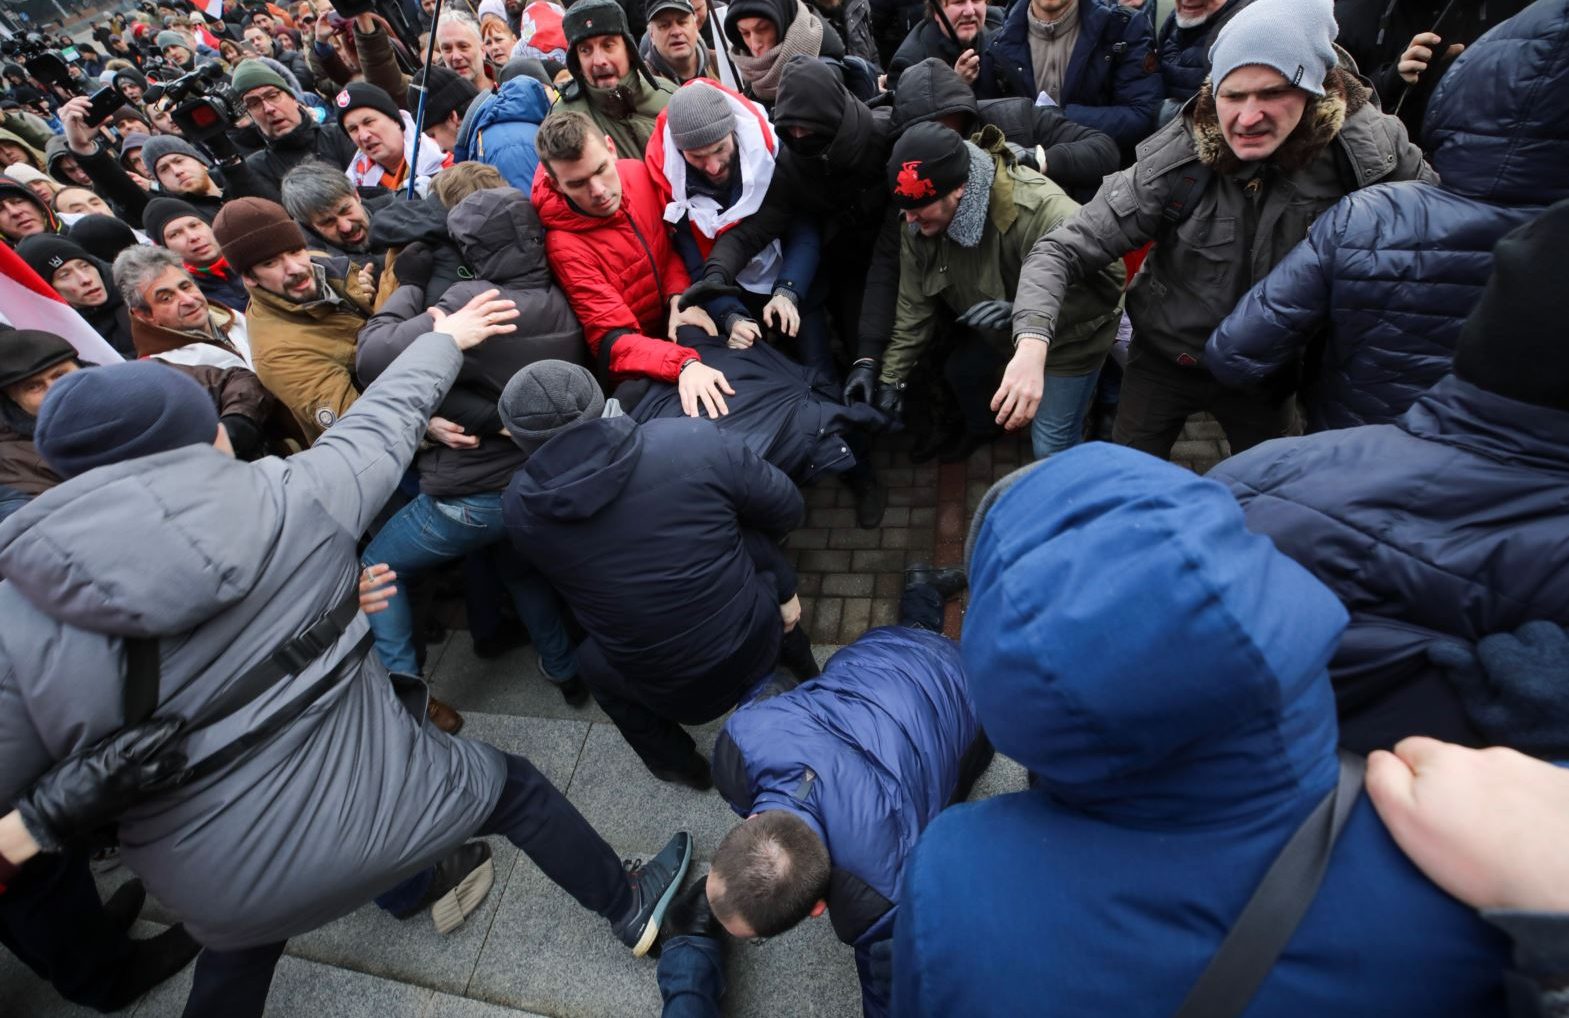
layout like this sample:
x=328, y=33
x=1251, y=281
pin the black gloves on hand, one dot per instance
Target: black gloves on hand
x=989, y=316
x=713, y=284
x=245, y=438
x=890, y=399
x=415, y=264
x=861, y=382
x=92, y=788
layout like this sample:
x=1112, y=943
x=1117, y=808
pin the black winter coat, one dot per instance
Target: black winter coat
x=1388, y=275
x=1447, y=524
x=929, y=40
x=639, y=527
x=1184, y=52
x=260, y=174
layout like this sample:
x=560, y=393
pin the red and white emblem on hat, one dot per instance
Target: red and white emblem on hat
x=343, y=99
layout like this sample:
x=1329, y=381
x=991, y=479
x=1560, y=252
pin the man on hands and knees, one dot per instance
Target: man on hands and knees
x=609, y=247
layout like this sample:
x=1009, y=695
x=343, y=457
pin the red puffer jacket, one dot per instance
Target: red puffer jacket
x=618, y=273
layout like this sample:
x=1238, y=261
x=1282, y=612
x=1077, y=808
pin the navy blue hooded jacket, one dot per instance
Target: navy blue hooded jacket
x=639, y=528
x=1184, y=52
x=867, y=755
x=498, y=130
x=1162, y=671
x=1392, y=271
x=1112, y=83
x=1451, y=523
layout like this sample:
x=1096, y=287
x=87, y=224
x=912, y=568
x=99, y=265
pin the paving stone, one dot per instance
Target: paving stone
x=302, y=989
x=854, y=538
x=808, y=585
x=885, y=612
x=848, y=584
x=896, y=537
x=444, y=1005
x=856, y=619
x=509, y=684
x=1203, y=427
x=1195, y=450
x=809, y=537
x=1003, y=776
x=889, y=585
x=804, y=973
x=877, y=561
x=897, y=477
x=820, y=495
x=824, y=562
x=629, y=806
x=824, y=620
x=923, y=516
x=896, y=516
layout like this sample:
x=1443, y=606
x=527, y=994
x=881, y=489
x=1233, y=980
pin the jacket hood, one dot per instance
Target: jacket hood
x=581, y=470
x=69, y=551
x=500, y=237
x=928, y=90
x=1136, y=647
x=35, y=157
x=521, y=100
x=1498, y=122
x=1456, y=413
x=9, y=187
x=404, y=222
x=811, y=95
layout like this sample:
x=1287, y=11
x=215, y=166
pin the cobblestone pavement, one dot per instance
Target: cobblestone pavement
x=530, y=950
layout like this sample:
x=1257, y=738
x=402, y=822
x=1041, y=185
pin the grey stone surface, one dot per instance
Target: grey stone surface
x=805, y=973
x=306, y=989
x=509, y=684
x=444, y=1005
x=1003, y=776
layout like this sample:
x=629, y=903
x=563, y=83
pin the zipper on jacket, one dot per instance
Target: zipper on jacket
x=658, y=282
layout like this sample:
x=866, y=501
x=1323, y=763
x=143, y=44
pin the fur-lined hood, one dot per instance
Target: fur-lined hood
x=1344, y=94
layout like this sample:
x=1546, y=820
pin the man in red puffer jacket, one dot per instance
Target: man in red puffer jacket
x=608, y=245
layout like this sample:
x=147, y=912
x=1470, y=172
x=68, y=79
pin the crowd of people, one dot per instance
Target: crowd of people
x=561, y=322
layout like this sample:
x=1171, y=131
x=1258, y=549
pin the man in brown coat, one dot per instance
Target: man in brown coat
x=305, y=314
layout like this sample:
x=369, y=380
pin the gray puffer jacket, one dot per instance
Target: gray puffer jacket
x=503, y=245
x=223, y=562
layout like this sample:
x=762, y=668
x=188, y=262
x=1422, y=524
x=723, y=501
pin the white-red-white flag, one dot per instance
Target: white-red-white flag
x=212, y=8
x=27, y=302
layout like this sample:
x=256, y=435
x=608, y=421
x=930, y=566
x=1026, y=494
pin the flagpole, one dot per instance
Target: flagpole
x=424, y=92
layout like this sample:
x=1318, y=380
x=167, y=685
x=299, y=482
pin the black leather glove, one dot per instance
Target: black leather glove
x=93, y=787
x=890, y=399
x=245, y=438
x=713, y=284
x=989, y=316
x=861, y=382
x=415, y=264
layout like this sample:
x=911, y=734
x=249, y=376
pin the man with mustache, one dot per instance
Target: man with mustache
x=305, y=314
x=1277, y=135
x=610, y=83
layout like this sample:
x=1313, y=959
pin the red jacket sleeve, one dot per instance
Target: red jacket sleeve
x=602, y=310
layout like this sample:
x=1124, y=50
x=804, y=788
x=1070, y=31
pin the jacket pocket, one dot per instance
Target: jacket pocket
x=1208, y=247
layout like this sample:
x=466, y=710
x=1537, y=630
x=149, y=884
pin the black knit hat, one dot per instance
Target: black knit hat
x=363, y=95
x=163, y=211
x=449, y=92
x=25, y=352
x=103, y=236
x=928, y=161
x=1513, y=342
x=45, y=253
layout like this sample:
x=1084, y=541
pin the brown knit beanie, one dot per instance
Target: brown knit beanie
x=251, y=230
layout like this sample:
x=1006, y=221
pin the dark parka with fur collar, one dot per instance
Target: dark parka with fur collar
x=1243, y=223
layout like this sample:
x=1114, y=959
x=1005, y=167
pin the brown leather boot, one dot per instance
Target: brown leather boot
x=444, y=717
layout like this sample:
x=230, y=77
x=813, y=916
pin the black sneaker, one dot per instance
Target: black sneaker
x=871, y=499
x=795, y=653
x=690, y=916
x=573, y=691
x=654, y=884
x=949, y=582
x=125, y=904
x=149, y=963
x=695, y=775
x=458, y=887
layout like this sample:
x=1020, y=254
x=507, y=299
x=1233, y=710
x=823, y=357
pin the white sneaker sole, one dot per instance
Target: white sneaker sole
x=651, y=928
x=458, y=904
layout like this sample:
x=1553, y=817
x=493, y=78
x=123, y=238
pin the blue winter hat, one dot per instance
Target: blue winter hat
x=1295, y=37
x=118, y=412
x=1138, y=649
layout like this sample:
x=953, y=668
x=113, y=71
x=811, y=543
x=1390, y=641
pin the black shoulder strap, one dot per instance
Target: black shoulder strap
x=1272, y=915
x=1195, y=177
x=139, y=696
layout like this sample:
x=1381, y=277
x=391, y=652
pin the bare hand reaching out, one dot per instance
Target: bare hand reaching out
x=484, y=316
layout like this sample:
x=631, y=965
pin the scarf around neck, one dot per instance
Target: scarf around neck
x=804, y=37
x=1051, y=48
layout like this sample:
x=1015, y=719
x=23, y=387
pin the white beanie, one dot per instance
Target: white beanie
x=1295, y=37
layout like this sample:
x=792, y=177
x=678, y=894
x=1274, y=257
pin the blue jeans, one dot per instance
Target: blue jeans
x=430, y=531
x=691, y=977
x=1059, y=420
x=10, y=501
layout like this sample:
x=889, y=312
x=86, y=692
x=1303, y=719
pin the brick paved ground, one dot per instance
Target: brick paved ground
x=850, y=578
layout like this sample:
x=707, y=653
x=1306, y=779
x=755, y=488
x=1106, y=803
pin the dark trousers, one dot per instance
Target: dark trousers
x=652, y=727
x=531, y=813
x=973, y=371
x=53, y=920
x=1158, y=396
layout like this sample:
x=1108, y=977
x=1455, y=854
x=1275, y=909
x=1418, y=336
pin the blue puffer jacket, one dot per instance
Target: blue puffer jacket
x=1392, y=271
x=1162, y=671
x=499, y=130
x=1449, y=523
x=1112, y=83
x=881, y=733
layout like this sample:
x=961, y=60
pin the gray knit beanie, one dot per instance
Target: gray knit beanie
x=166, y=39
x=1295, y=37
x=160, y=145
x=545, y=398
x=698, y=116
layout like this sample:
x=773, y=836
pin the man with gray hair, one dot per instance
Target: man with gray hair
x=173, y=322
x=336, y=220
x=1277, y=134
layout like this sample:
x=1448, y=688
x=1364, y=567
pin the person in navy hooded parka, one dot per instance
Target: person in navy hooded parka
x=1162, y=672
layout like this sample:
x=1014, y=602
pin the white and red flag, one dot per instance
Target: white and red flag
x=27, y=302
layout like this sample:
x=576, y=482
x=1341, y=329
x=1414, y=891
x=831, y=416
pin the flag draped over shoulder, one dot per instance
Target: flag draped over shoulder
x=27, y=302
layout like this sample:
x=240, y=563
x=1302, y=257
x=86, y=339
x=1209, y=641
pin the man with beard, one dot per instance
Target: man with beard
x=304, y=317
x=336, y=220
x=1184, y=42
x=291, y=136
x=84, y=283
x=671, y=46
x=610, y=84
x=972, y=22
x=185, y=230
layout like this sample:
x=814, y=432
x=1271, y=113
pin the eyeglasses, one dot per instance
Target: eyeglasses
x=309, y=19
x=256, y=100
